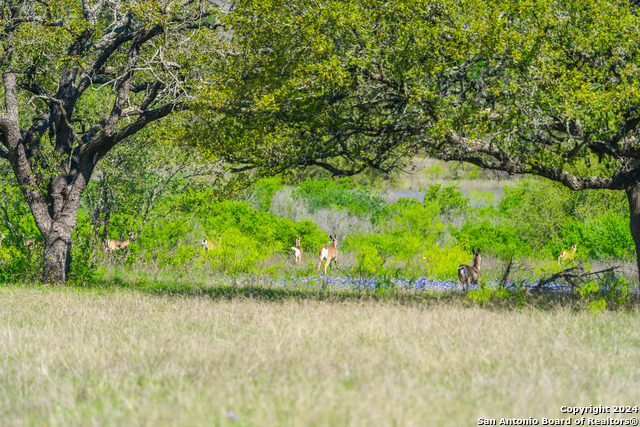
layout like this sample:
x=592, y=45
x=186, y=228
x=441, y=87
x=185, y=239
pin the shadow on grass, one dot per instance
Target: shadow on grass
x=258, y=291
x=264, y=292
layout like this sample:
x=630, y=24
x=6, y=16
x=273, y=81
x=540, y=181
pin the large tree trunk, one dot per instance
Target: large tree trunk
x=633, y=195
x=57, y=252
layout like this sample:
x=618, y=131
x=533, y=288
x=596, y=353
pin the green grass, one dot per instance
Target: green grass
x=159, y=355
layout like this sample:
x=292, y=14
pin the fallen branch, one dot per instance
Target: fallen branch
x=574, y=276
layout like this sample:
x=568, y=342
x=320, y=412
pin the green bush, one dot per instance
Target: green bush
x=327, y=193
x=503, y=240
x=449, y=199
x=414, y=228
x=20, y=263
x=415, y=218
x=245, y=238
x=262, y=192
x=605, y=236
x=383, y=254
x=443, y=263
x=538, y=217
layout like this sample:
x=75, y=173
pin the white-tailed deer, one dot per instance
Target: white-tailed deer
x=207, y=244
x=329, y=253
x=112, y=245
x=470, y=274
x=567, y=255
x=297, y=251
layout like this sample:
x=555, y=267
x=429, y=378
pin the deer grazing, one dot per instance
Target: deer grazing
x=112, y=245
x=329, y=253
x=470, y=274
x=567, y=255
x=297, y=251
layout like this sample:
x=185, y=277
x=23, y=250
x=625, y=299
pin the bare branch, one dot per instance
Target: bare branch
x=102, y=143
x=489, y=157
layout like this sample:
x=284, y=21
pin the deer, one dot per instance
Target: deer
x=567, y=255
x=329, y=252
x=112, y=245
x=297, y=251
x=470, y=274
x=207, y=244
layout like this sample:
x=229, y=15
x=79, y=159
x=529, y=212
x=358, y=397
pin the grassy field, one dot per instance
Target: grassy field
x=118, y=356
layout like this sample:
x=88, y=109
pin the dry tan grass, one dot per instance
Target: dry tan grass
x=120, y=357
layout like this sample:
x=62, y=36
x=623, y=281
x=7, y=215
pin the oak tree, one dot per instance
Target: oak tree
x=547, y=87
x=79, y=78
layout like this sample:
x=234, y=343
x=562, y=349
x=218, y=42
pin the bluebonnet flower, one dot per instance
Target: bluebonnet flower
x=418, y=284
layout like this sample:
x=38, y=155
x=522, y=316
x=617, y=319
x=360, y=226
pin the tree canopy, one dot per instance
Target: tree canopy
x=545, y=87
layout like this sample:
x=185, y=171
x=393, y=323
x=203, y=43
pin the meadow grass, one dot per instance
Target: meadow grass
x=126, y=355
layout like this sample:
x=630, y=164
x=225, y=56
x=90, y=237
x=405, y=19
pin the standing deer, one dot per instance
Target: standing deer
x=207, y=244
x=567, y=255
x=297, y=251
x=112, y=245
x=470, y=274
x=329, y=253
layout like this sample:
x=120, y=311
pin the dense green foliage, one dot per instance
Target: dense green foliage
x=352, y=84
x=538, y=219
x=337, y=194
x=533, y=220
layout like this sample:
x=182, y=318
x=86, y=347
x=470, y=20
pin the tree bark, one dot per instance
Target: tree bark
x=57, y=253
x=633, y=195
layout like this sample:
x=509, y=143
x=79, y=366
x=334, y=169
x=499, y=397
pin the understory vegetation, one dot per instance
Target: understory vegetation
x=167, y=205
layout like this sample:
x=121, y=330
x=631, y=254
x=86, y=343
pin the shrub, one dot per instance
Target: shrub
x=262, y=192
x=503, y=241
x=443, y=263
x=449, y=199
x=550, y=217
x=605, y=236
x=245, y=239
x=420, y=220
x=326, y=193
